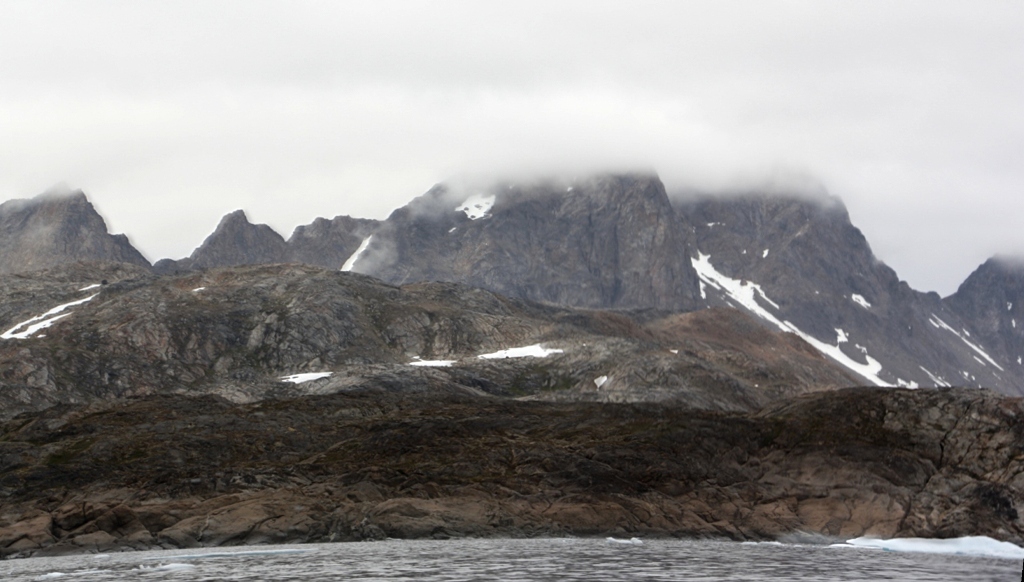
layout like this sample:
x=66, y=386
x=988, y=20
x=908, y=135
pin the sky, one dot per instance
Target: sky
x=171, y=114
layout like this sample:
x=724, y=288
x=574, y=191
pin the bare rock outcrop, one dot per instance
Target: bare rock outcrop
x=182, y=472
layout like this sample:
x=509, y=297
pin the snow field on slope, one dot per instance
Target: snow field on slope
x=351, y=261
x=39, y=322
x=743, y=292
x=939, y=324
x=476, y=206
x=534, y=351
x=306, y=377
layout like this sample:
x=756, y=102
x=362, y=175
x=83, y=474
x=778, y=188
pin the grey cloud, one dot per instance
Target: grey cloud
x=170, y=115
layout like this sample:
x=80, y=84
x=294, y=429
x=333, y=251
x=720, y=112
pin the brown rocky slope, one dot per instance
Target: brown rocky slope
x=173, y=471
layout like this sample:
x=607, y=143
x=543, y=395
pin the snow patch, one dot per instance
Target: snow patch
x=630, y=541
x=859, y=300
x=88, y=287
x=351, y=261
x=1009, y=306
x=476, y=206
x=764, y=254
x=34, y=324
x=841, y=336
x=969, y=546
x=674, y=351
x=307, y=377
x=939, y=324
x=452, y=229
x=936, y=379
x=198, y=289
x=743, y=292
x=904, y=384
x=431, y=363
x=600, y=381
x=534, y=351
x=703, y=291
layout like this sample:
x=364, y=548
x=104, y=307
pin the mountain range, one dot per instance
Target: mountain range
x=549, y=358
x=794, y=263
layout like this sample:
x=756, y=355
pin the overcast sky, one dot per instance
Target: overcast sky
x=171, y=114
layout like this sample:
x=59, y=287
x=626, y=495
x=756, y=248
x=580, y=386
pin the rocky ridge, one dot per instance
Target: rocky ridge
x=172, y=471
x=236, y=332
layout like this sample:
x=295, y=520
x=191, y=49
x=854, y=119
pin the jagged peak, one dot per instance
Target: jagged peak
x=234, y=217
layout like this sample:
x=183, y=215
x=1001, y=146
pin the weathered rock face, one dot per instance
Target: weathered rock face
x=329, y=243
x=992, y=301
x=182, y=472
x=610, y=241
x=56, y=228
x=819, y=276
x=234, y=332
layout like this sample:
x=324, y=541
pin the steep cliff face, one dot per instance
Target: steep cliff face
x=799, y=264
x=991, y=300
x=55, y=228
x=609, y=241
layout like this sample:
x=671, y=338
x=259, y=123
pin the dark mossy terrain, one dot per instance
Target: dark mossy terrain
x=172, y=471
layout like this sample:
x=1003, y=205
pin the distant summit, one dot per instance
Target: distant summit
x=57, y=227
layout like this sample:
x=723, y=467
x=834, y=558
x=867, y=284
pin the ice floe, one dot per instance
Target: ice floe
x=307, y=377
x=534, y=351
x=30, y=326
x=970, y=546
x=351, y=261
x=476, y=206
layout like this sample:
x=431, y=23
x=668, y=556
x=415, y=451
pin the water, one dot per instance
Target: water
x=500, y=560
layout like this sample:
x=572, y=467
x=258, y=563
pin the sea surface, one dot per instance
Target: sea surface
x=533, y=559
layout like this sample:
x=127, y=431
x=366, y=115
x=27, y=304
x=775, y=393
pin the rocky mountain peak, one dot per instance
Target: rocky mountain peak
x=58, y=227
x=236, y=241
x=608, y=241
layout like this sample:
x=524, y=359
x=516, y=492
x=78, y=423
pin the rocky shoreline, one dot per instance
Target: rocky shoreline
x=172, y=471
